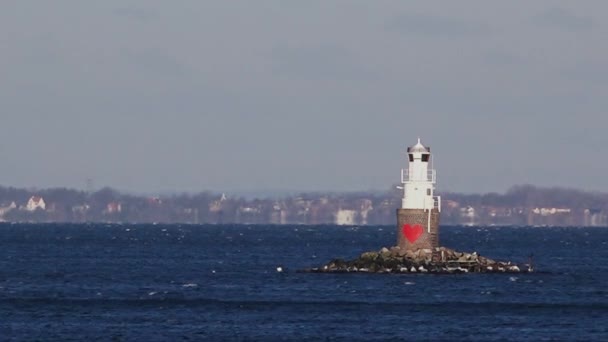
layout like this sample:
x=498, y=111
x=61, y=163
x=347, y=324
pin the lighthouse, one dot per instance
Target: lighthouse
x=418, y=216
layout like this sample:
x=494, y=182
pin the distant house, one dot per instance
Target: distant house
x=366, y=206
x=216, y=206
x=595, y=218
x=450, y=204
x=81, y=209
x=35, y=203
x=345, y=217
x=6, y=208
x=113, y=207
x=468, y=215
x=154, y=201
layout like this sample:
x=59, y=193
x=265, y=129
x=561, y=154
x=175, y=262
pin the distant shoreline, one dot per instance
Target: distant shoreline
x=523, y=205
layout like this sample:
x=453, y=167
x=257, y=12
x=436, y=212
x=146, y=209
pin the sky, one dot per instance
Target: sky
x=185, y=96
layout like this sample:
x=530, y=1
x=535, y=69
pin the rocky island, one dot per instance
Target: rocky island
x=440, y=260
x=417, y=249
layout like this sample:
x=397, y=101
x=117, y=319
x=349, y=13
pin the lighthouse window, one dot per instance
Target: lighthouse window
x=411, y=157
x=428, y=192
x=425, y=157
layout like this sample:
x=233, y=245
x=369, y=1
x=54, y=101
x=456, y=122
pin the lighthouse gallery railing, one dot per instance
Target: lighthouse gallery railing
x=406, y=176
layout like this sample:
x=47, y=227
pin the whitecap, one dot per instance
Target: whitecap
x=190, y=285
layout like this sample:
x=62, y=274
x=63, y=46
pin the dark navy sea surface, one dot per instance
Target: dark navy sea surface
x=96, y=282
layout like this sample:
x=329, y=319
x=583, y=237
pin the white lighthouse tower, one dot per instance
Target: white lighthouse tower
x=418, y=217
x=419, y=180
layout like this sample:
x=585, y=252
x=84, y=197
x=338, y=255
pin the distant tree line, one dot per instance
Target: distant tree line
x=522, y=204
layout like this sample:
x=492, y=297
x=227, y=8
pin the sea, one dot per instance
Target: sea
x=99, y=282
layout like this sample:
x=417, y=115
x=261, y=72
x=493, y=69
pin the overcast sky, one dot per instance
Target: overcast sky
x=156, y=96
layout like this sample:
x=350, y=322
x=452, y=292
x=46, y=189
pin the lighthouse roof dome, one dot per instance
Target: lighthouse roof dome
x=419, y=148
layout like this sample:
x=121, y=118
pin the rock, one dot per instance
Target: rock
x=369, y=256
x=384, y=250
x=514, y=269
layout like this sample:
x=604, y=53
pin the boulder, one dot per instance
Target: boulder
x=514, y=269
x=369, y=256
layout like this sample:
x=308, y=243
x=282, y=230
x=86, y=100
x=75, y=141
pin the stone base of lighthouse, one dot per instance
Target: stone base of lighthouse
x=417, y=229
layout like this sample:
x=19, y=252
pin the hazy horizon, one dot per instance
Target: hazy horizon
x=283, y=193
x=152, y=96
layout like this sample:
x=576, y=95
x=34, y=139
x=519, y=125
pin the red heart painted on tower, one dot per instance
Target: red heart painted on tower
x=412, y=233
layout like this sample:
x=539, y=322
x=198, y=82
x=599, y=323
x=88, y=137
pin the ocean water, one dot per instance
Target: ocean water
x=219, y=282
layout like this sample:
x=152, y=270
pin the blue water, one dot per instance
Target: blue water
x=173, y=283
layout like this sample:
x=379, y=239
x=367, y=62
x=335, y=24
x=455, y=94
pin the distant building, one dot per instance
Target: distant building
x=450, y=204
x=216, y=206
x=81, y=209
x=551, y=211
x=279, y=213
x=35, y=203
x=155, y=201
x=5, y=209
x=113, y=207
x=366, y=206
x=345, y=217
x=595, y=218
x=468, y=215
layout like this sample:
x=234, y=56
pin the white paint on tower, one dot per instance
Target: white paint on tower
x=419, y=180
